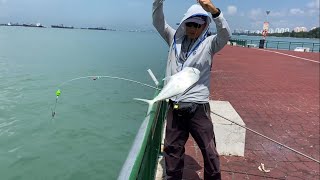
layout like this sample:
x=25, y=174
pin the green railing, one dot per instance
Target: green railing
x=283, y=45
x=142, y=160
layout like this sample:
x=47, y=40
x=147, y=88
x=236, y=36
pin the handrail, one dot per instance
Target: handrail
x=142, y=158
x=285, y=45
x=130, y=166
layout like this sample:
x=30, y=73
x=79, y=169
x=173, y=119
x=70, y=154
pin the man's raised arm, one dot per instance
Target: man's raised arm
x=159, y=22
x=223, y=30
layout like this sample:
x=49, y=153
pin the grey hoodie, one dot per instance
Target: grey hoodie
x=200, y=54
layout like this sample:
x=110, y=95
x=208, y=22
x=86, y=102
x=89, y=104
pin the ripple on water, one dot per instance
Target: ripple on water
x=7, y=126
x=14, y=149
x=24, y=160
x=9, y=98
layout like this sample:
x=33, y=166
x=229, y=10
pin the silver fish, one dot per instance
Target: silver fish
x=177, y=84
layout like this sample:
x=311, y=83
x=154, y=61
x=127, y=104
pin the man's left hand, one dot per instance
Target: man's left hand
x=208, y=6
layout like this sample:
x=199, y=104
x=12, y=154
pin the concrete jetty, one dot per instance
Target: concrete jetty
x=276, y=93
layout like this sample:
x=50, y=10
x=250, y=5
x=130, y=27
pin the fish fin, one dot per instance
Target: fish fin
x=166, y=78
x=150, y=102
x=144, y=100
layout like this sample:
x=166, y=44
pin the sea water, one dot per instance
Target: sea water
x=96, y=120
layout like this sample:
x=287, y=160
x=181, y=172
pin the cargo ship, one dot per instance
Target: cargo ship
x=38, y=25
x=98, y=28
x=62, y=26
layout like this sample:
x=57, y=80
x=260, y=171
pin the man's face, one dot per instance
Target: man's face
x=194, y=30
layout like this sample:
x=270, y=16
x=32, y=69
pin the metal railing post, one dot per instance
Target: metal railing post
x=266, y=44
x=312, y=46
x=289, y=45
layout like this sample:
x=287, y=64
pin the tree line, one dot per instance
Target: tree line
x=315, y=33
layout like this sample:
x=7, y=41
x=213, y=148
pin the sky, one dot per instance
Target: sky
x=136, y=14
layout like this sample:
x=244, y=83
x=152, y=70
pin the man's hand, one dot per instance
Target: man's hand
x=208, y=6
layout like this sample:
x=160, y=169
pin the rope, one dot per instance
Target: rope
x=285, y=146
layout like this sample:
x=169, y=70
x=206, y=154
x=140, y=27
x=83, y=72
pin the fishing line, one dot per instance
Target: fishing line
x=255, y=132
x=58, y=92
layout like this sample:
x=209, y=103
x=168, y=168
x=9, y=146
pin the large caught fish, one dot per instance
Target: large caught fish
x=177, y=84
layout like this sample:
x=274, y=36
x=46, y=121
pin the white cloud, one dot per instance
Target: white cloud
x=232, y=10
x=296, y=11
x=313, y=12
x=256, y=25
x=255, y=14
x=314, y=4
x=278, y=13
x=281, y=23
x=314, y=9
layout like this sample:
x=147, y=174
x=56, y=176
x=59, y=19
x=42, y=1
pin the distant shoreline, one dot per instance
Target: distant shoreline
x=61, y=26
x=313, y=33
x=139, y=30
x=261, y=37
x=80, y=28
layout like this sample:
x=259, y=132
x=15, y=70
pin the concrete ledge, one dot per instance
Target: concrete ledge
x=230, y=138
x=251, y=45
x=161, y=171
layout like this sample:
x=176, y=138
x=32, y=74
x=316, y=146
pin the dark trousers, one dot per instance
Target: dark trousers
x=194, y=119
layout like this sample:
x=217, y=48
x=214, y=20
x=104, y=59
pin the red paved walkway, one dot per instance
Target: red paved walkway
x=311, y=55
x=275, y=95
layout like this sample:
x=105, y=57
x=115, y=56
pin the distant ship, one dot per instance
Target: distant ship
x=33, y=25
x=98, y=28
x=62, y=26
x=14, y=24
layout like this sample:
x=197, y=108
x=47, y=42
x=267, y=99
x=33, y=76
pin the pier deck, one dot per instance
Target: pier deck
x=276, y=95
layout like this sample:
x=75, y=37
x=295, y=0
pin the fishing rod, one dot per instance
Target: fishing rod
x=58, y=92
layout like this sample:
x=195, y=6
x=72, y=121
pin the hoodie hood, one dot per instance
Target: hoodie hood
x=194, y=10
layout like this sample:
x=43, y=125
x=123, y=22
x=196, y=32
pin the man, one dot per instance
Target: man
x=190, y=46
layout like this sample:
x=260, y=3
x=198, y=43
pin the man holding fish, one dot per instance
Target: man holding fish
x=191, y=46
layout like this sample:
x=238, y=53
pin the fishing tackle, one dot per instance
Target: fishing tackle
x=94, y=78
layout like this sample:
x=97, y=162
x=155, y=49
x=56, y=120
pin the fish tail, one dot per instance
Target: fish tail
x=150, y=102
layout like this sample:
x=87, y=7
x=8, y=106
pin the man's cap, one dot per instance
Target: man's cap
x=196, y=19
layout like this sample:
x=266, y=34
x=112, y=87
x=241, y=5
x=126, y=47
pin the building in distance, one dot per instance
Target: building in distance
x=300, y=29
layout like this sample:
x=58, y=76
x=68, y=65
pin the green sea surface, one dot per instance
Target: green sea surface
x=95, y=122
